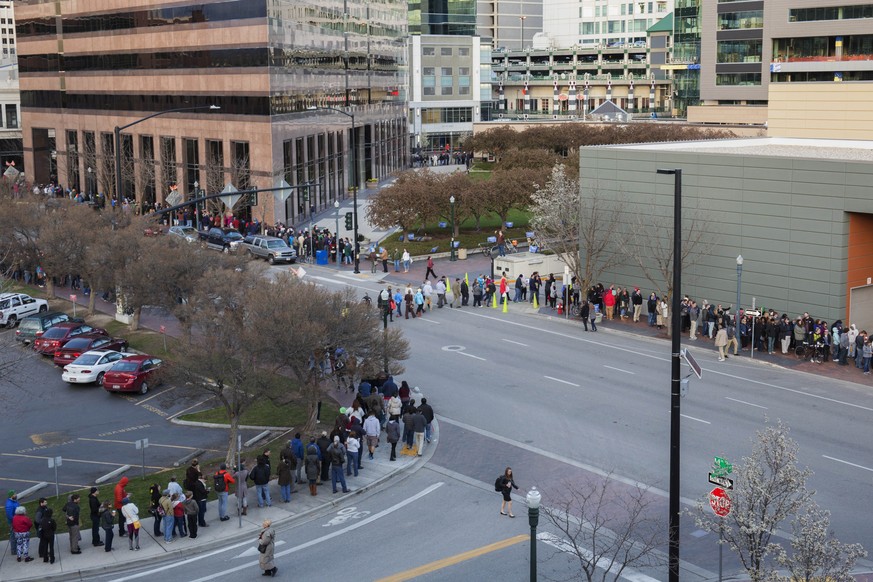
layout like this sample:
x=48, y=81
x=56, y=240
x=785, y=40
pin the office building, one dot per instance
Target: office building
x=588, y=23
x=268, y=64
x=509, y=24
x=10, y=100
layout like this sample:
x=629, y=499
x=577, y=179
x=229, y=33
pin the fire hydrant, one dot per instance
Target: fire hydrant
x=560, y=307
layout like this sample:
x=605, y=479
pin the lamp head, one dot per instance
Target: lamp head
x=740, y=260
x=452, y=200
x=533, y=498
x=665, y=171
x=336, y=203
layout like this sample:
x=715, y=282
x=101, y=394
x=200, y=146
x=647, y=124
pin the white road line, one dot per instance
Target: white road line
x=470, y=355
x=663, y=359
x=66, y=460
x=744, y=402
x=303, y=546
x=697, y=419
x=134, y=442
x=181, y=412
x=513, y=342
x=427, y=319
x=155, y=395
x=602, y=563
x=847, y=463
x=618, y=369
x=561, y=381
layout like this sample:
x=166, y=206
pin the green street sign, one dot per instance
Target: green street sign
x=721, y=467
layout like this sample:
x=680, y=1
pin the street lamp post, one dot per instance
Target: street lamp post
x=138, y=121
x=675, y=397
x=90, y=183
x=739, y=286
x=197, y=206
x=452, y=250
x=336, y=232
x=533, y=516
x=522, y=18
x=354, y=147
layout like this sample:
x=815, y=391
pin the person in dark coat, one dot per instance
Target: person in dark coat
x=323, y=443
x=47, y=528
x=584, y=311
x=311, y=461
x=508, y=484
x=94, y=512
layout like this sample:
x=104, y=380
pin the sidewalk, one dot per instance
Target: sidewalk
x=95, y=561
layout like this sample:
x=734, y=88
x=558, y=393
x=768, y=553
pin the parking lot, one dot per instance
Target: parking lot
x=94, y=432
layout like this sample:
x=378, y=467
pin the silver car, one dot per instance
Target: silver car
x=188, y=233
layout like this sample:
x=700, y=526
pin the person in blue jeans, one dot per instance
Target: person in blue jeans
x=336, y=452
x=166, y=506
x=222, y=481
x=353, y=450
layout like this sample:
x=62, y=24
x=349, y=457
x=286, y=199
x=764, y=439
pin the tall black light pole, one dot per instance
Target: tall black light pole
x=533, y=517
x=675, y=398
x=452, y=250
x=146, y=118
x=354, y=146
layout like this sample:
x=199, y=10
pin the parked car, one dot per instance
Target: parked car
x=133, y=374
x=189, y=233
x=85, y=343
x=33, y=326
x=16, y=306
x=221, y=239
x=272, y=248
x=91, y=366
x=58, y=335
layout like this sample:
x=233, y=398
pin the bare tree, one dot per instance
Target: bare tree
x=607, y=526
x=769, y=489
x=583, y=230
x=816, y=554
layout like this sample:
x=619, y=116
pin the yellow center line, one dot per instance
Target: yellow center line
x=452, y=560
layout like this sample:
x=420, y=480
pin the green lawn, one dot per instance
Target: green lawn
x=266, y=413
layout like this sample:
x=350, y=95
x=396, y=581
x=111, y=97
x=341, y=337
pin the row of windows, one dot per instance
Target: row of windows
x=230, y=105
x=444, y=71
x=831, y=13
x=739, y=51
x=739, y=20
x=430, y=81
x=132, y=61
x=737, y=79
x=854, y=47
x=615, y=26
x=221, y=11
x=446, y=51
x=447, y=115
x=821, y=77
x=431, y=91
x=623, y=9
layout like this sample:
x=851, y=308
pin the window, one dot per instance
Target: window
x=831, y=13
x=11, y=116
x=428, y=81
x=586, y=28
x=464, y=90
x=737, y=79
x=463, y=52
x=447, y=91
x=428, y=51
x=428, y=91
x=446, y=81
x=446, y=71
x=739, y=51
x=428, y=71
x=738, y=20
x=446, y=51
x=464, y=71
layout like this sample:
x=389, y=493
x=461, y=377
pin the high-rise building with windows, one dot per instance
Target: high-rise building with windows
x=88, y=67
x=10, y=99
x=588, y=23
x=509, y=24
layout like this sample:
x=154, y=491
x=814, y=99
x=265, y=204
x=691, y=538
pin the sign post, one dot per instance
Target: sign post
x=142, y=445
x=55, y=462
x=73, y=299
x=163, y=330
x=238, y=469
x=720, y=501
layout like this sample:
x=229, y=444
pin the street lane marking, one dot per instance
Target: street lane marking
x=471, y=356
x=66, y=460
x=155, y=395
x=513, y=342
x=618, y=369
x=663, y=359
x=303, y=546
x=744, y=402
x=697, y=419
x=74, y=485
x=134, y=442
x=847, y=463
x=452, y=560
x=181, y=412
x=562, y=381
x=602, y=563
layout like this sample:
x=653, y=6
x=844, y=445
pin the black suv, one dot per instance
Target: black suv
x=227, y=240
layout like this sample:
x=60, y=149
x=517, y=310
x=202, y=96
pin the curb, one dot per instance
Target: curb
x=218, y=425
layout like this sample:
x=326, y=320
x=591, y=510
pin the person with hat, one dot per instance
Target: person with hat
x=11, y=506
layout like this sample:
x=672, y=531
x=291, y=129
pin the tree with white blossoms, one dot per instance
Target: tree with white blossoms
x=816, y=554
x=770, y=489
x=581, y=229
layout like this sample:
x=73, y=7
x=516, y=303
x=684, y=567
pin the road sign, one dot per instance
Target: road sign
x=753, y=313
x=720, y=502
x=723, y=482
x=721, y=467
x=689, y=359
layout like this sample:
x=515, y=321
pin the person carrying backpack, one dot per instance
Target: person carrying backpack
x=505, y=485
x=221, y=480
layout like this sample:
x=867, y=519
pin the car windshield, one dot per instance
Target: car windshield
x=233, y=236
x=30, y=324
x=78, y=343
x=86, y=360
x=55, y=333
x=276, y=244
x=187, y=231
x=123, y=366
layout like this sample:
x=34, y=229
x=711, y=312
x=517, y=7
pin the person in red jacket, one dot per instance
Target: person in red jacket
x=120, y=494
x=21, y=526
x=609, y=301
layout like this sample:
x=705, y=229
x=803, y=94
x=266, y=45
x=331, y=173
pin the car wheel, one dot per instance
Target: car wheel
x=43, y=308
x=99, y=380
x=144, y=388
x=11, y=322
x=271, y=259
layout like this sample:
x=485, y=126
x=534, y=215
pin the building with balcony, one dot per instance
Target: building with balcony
x=588, y=23
x=88, y=67
x=509, y=24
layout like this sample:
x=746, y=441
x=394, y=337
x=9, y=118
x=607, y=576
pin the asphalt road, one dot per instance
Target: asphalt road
x=93, y=431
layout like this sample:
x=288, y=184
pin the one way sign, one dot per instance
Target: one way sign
x=723, y=482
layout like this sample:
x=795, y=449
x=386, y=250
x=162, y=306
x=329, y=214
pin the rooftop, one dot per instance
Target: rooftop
x=830, y=149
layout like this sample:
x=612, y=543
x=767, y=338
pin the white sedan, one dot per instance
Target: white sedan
x=90, y=366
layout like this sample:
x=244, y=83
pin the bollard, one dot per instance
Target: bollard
x=112, y=474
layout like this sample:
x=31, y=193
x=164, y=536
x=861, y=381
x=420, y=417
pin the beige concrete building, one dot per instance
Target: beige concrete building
x=87, y=67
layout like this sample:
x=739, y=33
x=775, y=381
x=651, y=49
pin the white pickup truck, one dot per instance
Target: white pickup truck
x=16, y=306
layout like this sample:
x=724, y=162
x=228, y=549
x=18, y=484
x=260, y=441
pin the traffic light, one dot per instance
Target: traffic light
x=349, y=224
x=252, y=199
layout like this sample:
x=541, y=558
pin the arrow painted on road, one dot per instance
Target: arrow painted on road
x=254, y=551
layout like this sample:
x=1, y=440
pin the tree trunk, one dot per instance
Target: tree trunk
x=49, y=287
x=92, y=298
x=231, y=437
x=134, y=320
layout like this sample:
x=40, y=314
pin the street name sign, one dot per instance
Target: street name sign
x=723, y=482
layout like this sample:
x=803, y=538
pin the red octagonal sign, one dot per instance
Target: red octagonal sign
x=720, y=502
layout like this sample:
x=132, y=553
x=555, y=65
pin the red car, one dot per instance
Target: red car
x=85, y=343
x=132, y=374
x=56, y=337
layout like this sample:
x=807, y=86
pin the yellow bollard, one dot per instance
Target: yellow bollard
x=536, y=304
x=505, y=303
x=494, y=301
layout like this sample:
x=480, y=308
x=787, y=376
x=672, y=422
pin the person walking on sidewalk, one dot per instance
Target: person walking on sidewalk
x=721, y=341
x=406, y=260
x=430, y=270
x=507, y=485
x=419, y=424
x=372, y=430
x=267, y=548
x=392, y=431
x=383, y=256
